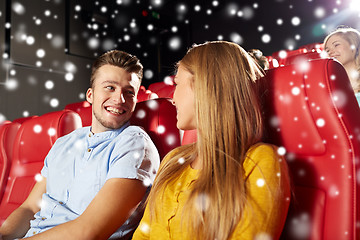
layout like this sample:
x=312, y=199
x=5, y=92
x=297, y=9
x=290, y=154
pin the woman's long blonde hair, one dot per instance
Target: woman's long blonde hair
x=228, y=123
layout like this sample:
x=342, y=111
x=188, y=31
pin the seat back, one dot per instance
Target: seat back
x=144, y=95
x=282, y=55
x=163, y=89
x=23, y=119
x=154, y=87
x=33, y=140
x=301, y=58
x=313, y=46
x=158, y=118
x=83, y=109
x=312, y=112
x=8, y=132
x=77, y=105
x=166, y=92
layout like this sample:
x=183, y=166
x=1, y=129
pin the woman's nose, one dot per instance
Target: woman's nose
x=331, y=52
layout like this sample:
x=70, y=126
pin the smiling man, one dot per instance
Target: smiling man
x=93, y=178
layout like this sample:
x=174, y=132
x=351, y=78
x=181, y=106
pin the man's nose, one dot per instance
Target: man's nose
x=119, y=97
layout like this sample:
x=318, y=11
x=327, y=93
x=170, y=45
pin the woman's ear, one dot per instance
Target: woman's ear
x=89, y=95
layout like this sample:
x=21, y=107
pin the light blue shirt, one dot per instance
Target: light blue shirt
x=78, y=165
x=357, y=95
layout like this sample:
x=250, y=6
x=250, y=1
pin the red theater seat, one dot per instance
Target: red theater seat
x=23, y=119
x=163, y=89
x=301, y=58
x=33, y=140
x=158, y=118
x=282, y=55
x=313, y=46
x=8, y=132
x=83, y=109
x=314, y=115
x=154, y=87
x=144, y=95
x=85, y=115
x=166, y=92
x=77, y=106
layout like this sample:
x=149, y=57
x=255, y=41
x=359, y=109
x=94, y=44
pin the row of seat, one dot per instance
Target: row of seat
x=24, y=145
x=311, y=113
x=163, y=89
x=297, y=56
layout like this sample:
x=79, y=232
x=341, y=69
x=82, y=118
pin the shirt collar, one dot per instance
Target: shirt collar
x=105, y=135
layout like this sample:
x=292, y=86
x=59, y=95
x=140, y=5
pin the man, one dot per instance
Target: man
x=93, y=178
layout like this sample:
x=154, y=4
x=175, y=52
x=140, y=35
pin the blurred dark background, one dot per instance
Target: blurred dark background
x=47, y=46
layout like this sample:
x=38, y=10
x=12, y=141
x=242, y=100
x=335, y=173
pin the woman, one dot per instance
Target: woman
x=343, y=44
x=227, y=185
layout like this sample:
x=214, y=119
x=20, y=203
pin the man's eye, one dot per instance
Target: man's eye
x=131, y=93
x=110, y=87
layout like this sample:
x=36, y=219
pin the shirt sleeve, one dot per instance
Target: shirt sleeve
x=135, y=157
x=268, y=193
x=44, y=170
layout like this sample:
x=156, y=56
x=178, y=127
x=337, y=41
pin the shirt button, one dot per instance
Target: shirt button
x=89, y=134
x=89, y=150
x=44, y=218
x=61, y=203
x=34, y=232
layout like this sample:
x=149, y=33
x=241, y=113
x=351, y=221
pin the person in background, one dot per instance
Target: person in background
x=226, y=185
x=343, y=44
x=259, y=58
x=95, y=177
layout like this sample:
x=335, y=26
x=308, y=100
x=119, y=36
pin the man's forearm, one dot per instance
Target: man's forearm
x=69, y=230
x=17, y=224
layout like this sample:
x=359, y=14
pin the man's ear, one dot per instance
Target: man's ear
x=89, y=95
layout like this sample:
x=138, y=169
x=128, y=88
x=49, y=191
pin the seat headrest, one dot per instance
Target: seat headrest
x=158, y=118
x=36, y=136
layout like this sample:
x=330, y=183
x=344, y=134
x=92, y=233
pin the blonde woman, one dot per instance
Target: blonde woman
x=343, y=44
x=227, y=185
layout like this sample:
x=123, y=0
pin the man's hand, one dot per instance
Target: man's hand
x=110, y=208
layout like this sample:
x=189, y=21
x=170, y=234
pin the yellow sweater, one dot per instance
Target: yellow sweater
x=268, y=197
